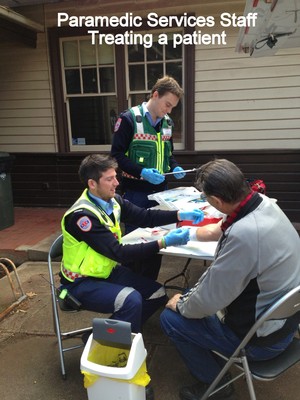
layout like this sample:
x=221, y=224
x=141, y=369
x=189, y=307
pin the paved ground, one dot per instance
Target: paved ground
x=28, y=348
x=30, y=368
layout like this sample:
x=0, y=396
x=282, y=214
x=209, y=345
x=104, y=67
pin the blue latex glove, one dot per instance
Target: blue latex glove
x=196, y=216
x=152, y=175
x=177, y=237
x=180, y=175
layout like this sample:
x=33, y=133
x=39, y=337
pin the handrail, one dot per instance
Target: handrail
x=4, y=264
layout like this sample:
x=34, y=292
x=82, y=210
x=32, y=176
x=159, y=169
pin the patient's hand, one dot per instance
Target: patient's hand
x=173, y=301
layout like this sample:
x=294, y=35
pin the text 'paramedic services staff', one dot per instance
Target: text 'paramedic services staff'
x=153, y=20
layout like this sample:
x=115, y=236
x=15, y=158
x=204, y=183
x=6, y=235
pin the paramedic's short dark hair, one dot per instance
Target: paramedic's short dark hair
x=93, y=166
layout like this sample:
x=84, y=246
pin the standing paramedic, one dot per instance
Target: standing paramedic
x=93, y=253
x=256, y=262
x=143, y=144
x=143, y=147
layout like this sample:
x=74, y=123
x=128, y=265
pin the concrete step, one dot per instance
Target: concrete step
x=37, y=252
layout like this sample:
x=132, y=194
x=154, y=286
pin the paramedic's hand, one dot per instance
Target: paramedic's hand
x=177, y=237
x=180, y=174
x=196, y=216
x=152, y=175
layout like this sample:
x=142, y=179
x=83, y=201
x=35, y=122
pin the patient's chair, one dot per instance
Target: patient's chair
x=288, y=305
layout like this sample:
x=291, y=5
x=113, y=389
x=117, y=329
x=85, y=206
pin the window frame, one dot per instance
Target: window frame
x=82, y=94
x=164, y=62
x=63, y=143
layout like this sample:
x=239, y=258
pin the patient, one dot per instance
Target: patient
x=256, y=261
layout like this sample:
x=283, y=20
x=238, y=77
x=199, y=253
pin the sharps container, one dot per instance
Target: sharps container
x=113, y=362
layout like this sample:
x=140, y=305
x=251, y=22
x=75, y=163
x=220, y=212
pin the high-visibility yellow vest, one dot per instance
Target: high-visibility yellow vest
x=79, y=259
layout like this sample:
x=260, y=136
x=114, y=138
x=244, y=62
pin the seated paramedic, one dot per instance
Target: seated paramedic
x=93, y=253
x=256, y=261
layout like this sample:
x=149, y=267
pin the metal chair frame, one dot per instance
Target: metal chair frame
x=286, y=306
x=55, y=252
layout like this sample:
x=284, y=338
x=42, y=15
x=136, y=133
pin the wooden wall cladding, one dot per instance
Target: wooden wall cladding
x=51, y=180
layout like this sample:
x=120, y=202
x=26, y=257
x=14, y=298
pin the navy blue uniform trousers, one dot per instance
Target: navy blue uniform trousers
x=124, y=294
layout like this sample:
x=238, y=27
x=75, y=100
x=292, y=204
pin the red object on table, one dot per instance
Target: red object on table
x=206, y=221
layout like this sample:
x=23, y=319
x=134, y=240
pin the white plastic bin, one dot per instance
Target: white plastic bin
x=107, y=386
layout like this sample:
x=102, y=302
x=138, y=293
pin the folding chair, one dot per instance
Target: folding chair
x=287, y=306
x=55, y=252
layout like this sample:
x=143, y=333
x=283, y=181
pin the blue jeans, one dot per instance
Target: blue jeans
x=195, y=338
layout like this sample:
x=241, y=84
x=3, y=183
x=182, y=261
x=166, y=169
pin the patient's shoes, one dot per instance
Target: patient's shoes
x=196, y=391
x=149, y=392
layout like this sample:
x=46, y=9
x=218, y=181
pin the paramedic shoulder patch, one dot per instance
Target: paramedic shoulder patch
x=117, y=124
x=84, y=223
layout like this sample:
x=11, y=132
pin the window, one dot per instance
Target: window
x=90, y=92
x=93, y=84
x=145, y=66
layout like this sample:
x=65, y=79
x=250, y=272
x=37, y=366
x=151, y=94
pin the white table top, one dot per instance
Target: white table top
x=194, y=249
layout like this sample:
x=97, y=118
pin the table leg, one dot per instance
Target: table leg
x=182, y=273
